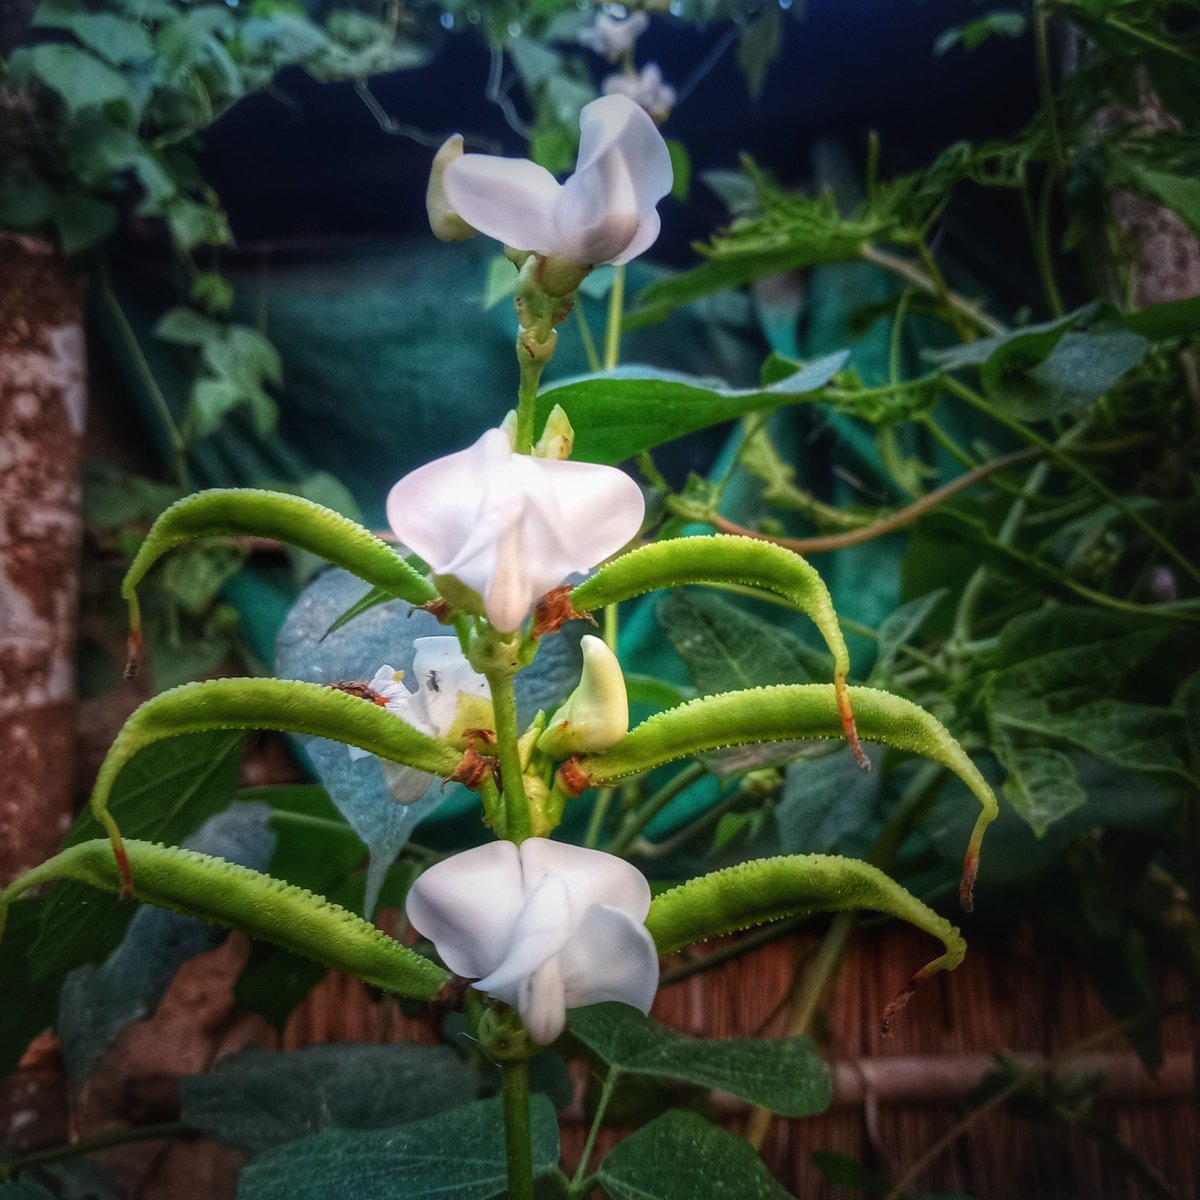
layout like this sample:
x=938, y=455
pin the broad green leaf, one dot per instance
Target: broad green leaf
x=1177, y=318
x=1023, y=347
x=724, y=647
x=117, y=39
x=99, y=149
x=828, y=807
x=899, y=628
x=186, y=327
x=681, y=1156
x=1042, y=785
x=621, y=413
x=31, y=1006
x=1180, y=193
x=658, y=693
x=782, y=713
x=458, y=1155
x=759, y=45
x=80, y=79
x=164, y=795
x=257, y=1099
x=81, y=220
x=785, y=1075
x=221, y=893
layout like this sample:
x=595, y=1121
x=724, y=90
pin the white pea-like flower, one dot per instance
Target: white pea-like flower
x=510, y=527
x=605, y=212
x=450, y=697
x=646, y=89
x=611, y=37
x=543, y=926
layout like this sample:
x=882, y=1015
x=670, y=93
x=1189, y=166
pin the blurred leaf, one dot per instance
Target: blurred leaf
x=1180, y=193
x=785, y=1075
x=79, y=78
x=681, y=170
x=1041, y=784
x=618, y=414
x=759, y=45
x=1003, y=22
x=81, y=220
x=459, y=1154
x=186, y=327
x=164, y=794
x=899, y=628
x=1177, y=318
x=725, y=648
x=681, y=1156
x=843, y=1171
x=117, y=39
x=829, y=806
x=31, y=1007
x=256, y=1099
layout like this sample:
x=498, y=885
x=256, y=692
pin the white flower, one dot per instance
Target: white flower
x=595, y=715
x=603, y=213
x=612, y=38
x=511, y=526
x=451, y=697
x=646, y=89
x=544, y=927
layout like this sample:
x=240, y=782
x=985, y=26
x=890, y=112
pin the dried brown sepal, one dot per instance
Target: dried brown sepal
x=554, y=610
x=452, y=994
x=439, y=609
x=362, y=690
x=573, y=777
x=473, y=769
x=482, y=737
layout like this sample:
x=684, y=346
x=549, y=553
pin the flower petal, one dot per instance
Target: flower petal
x=541, y=1001
x=441, y=673
x=468, y=906
x=541, y=931
x=405, y=784
x=616, y=125
x=590, y=876
x=509, y=199
x=610, y=956
x=645, y=237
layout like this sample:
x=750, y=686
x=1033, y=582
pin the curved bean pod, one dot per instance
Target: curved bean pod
x=724, y=558
x=283, y=704
x=223, y=893
x=769, y=889
x=781, y=713
x=225, y=512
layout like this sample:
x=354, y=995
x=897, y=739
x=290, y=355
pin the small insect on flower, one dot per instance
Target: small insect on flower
x=431, y=682
x=363, y=691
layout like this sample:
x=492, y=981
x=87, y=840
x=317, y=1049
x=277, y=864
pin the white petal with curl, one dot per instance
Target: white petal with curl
x=615, y=125
x=540, y=932
x=509, y=199
x=610, y=957
x=468, y=907
x=591, y=876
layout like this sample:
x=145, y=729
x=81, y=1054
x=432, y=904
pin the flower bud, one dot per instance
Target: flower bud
x=595, y=715
x=558, y=438
x=446, y=224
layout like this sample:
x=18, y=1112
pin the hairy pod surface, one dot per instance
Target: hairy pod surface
x=785, y=712
x=240, y=512
x=223, y=893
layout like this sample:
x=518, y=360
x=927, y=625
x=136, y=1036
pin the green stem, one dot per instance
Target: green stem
x=638, y=820
x=580, y=1180
x=942, y=291
x=174, y=437
x=894, y=346
x=1041, y=49
x=1067, y=463
x=517, y=826
x=596, y=820
x=531, y=375
x=923, y=283
x=514, y=1087
x=585, y=336
x=616, y=313
x=1041, y=248
x=102, y=1141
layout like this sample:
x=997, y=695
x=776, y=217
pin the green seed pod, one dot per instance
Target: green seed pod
x=781, y=713
x=223, y=893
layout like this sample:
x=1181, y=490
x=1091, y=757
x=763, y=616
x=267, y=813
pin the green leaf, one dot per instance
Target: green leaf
x=256, y=1099
x=1180, y=193
x=759, y=45
x=725, y=648
x=681, y=169
x=99, y=150
x=844, y=1171
x=32, y=1006
x=681, y=1156
x=210, y=401
x=621, y=413
x=1042, y=785
x=785, y=1075
x=459, y=1154
x=117, y=39
x=163, y=796
x=186, y=327
x=1002, y=22
x=1177, y=318
x=79, y=78
x=81, y=220
x=828, y=807
x=372, y=599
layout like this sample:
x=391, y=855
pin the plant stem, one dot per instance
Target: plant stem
x=997, y=1098
x=175, y=438
x=514, y=1087
x=923, y=283
x=531, y=375
x=585, y=336
x=596, y=820
x=616, y=313
x=943, y=293
x=516, y=802
x=1056, y=455
x=101, y=1141
x=636, y=821
x=580, y=1182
